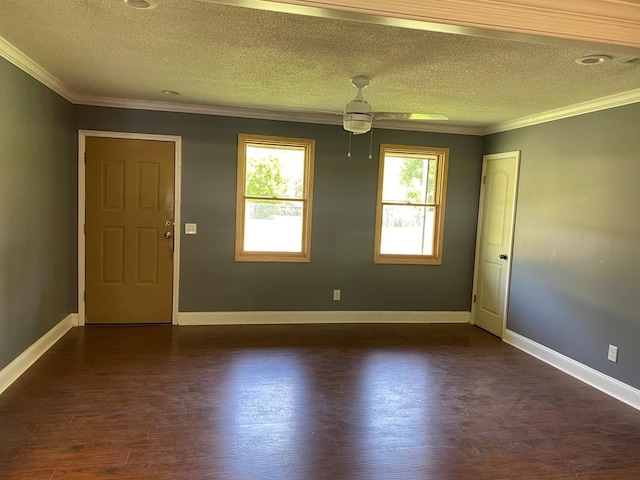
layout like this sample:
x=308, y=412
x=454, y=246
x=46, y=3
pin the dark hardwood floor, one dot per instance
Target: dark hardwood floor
x=315, y=402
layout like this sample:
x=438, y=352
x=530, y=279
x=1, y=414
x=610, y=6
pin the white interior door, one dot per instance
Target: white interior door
x=495, y=239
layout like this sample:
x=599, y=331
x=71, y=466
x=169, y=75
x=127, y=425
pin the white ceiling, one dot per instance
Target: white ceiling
x=251, y=62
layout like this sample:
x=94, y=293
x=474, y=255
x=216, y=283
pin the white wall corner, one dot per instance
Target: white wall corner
x=318, y=317
x=22, y=362
x=609, y=385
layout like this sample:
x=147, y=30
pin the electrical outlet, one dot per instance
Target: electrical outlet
x=336, y=295
x=613, y=353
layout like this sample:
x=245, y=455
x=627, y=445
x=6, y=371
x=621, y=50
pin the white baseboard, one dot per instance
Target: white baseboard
x=609, y=385
x=263, y=318
x=22, y=362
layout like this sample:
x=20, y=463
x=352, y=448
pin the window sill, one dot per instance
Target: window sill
x=272, y=257
x=407, y=260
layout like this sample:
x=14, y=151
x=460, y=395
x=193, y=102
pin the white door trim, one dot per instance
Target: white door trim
x=485, y=158
x=177, y=140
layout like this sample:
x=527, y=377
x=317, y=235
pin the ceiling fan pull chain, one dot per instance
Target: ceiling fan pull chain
x=370, y=143
x=349, y=153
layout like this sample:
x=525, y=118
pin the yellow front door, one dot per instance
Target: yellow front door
x=129, y=230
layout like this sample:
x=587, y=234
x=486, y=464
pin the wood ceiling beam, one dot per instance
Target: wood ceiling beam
x=608, y=22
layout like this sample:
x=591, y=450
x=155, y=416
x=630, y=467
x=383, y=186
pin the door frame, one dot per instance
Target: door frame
x=177, y=141
x=485, y=159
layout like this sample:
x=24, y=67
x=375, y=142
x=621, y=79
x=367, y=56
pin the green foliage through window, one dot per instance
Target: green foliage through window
x=264, y=177
x=412, y=176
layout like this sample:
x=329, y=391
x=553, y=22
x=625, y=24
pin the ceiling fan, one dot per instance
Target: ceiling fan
x=358, y=115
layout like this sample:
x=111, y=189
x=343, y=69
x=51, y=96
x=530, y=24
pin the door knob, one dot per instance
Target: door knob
x=167, y=235
x=503, y=256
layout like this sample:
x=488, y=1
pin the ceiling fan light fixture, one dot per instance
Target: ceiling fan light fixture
x=357, y=123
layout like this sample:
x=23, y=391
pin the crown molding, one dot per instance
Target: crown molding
x=20, y=60
x=604, y=103
x=24, y=63
x=608, y=22
x=279, y=114
x=221, y=110
x=430, y=126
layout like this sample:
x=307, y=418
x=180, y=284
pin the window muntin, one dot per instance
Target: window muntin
x=273, y=219
x=410, y=208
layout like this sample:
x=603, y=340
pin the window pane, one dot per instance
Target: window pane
x=274, y=171
x=408, y=179
x=407, y=230
x=273, y=226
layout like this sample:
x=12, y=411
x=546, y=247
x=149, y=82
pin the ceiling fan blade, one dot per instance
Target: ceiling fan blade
x=409, y=116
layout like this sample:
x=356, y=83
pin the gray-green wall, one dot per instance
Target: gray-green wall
x=343, y=219
x=37, y=211
x=576, y=261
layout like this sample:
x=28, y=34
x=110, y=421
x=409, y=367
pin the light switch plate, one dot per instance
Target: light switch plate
x=190, y=228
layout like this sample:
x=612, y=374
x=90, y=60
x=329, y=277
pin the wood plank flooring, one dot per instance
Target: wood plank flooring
x=314, y=402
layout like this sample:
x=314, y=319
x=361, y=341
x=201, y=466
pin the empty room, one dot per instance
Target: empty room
x=304, y=240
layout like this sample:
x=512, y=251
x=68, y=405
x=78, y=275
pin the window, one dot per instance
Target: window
x=273, y=215
x=410, y=208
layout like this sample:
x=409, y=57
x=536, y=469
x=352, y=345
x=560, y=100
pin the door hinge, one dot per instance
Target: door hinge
x=474, y=298
x=84, y=296
x=85, y=157
x=484, y=178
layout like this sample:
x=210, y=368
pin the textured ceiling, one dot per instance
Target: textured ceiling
x=231, y=56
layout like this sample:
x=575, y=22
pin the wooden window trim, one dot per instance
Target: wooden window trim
x=442, y=157
x=307, y=199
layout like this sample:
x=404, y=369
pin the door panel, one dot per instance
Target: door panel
x=498, y=183
x=495, y=239
x=489, y=294
x=129, y=199
x=112, y=256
